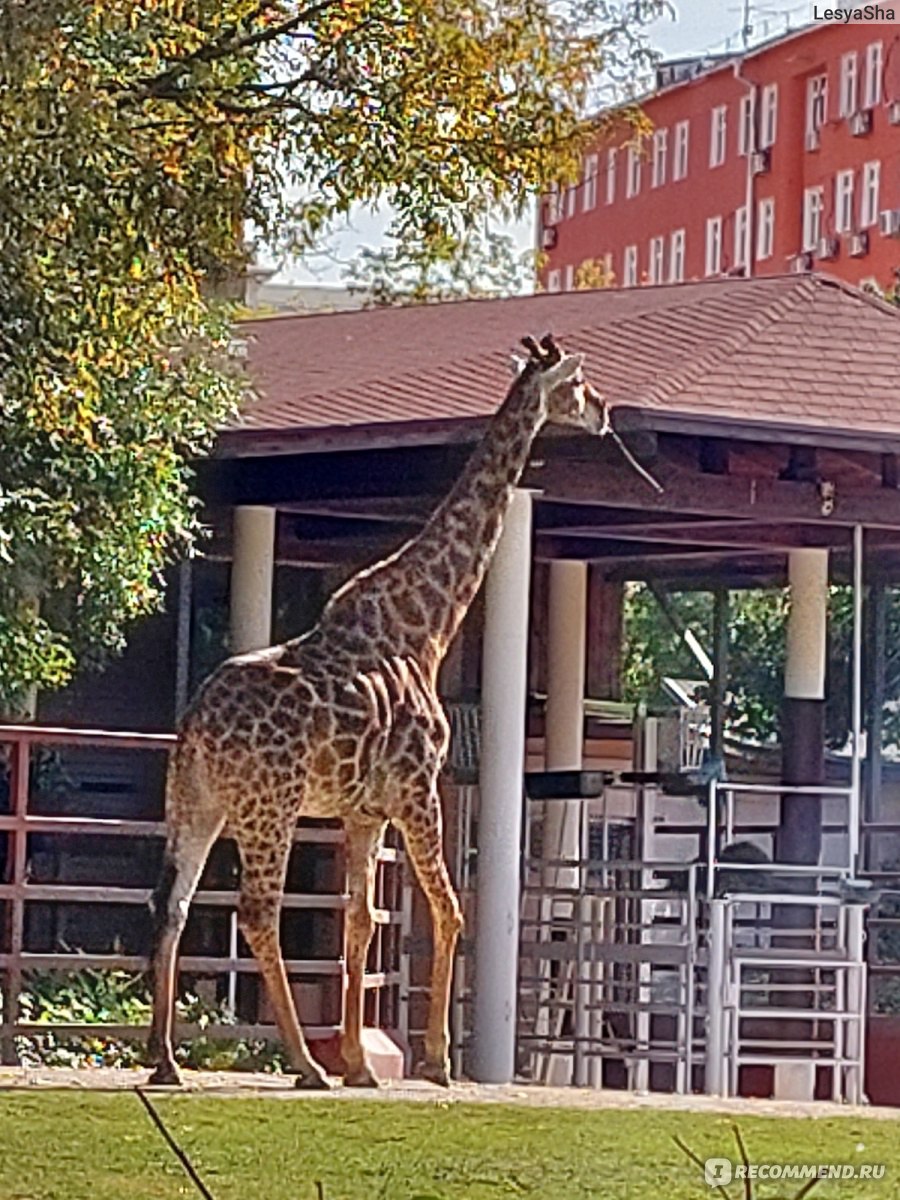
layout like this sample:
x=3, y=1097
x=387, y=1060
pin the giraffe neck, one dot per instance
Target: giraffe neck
x=417, y=598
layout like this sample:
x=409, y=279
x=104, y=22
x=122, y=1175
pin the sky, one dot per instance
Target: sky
x=697, y=26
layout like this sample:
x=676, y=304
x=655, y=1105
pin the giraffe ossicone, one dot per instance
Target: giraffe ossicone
x=346, y=722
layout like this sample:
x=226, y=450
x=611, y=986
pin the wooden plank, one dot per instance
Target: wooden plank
x=686, y=491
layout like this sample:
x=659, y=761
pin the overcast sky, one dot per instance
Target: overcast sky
x=699, y=26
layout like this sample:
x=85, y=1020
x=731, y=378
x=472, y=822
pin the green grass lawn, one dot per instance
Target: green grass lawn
x=92, y=1146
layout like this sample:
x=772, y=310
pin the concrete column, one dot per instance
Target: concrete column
x=504, y=694
x=252, y=571
x=564, y=730
x=564, y=746
x=803, y=723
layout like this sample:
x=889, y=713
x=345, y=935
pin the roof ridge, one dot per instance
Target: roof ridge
x=679, y=380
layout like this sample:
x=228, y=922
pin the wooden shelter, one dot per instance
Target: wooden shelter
x=763, y=411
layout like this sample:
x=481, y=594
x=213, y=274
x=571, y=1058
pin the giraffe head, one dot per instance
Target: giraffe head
x=567, y=397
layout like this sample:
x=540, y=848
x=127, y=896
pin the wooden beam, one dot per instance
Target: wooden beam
x=686, y=491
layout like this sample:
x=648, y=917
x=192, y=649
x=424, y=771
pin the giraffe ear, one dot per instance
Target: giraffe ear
x=568, y=368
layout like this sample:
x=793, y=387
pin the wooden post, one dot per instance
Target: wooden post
x=18, y=861
x=720, y=672
x=605, y=610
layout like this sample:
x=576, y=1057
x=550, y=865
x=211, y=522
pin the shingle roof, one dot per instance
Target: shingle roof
x=800, y=351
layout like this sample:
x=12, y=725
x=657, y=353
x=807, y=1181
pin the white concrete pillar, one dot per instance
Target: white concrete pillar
x=804, y=671
x=252, y=571
x=564, y=726
x=503, y=699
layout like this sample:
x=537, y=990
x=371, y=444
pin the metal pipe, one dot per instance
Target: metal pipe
x=857, y=715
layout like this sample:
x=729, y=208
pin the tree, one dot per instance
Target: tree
x=138, y=140
x=758, y=621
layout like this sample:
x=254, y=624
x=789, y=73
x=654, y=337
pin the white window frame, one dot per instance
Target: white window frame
x=745, y=125
x=816, y=102
x=844, y=183
x=591, y=169
x=554, y=280
x=676, y=256
x=768, y=126
x=656, y=266
x=554, y=205
x=849, y=98
x=633, y=177
x=813, y=212
x=718, y=135
x=660, y=157
x=765, y=228
x=870, y=194
x=571, y=199
x=713, y=246
x=569, y=278
x=611, y=176
x=680, y=158
x=630, y=267
x=741, y=236
x=874, y=68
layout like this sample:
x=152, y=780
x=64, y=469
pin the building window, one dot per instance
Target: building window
x=610, y=176
x=874, y=64
x=768, y=126
x=714, y=245
x=680, y=165
x=591, y=166
x=554, y=205
x=553, y=281
x=746, y=139
x=843, y=201
x=676, y=257
x=813, y=203
x=657, y=260
x=741, y=230
x=849, y=84
x=569, y=285
x=765, y=228
x=571, y=199
x=633, y=182
x=718, y=136
x=608, y=268
x=660, y=156
x=871, y=178
x=816, y=103
x=630, y=266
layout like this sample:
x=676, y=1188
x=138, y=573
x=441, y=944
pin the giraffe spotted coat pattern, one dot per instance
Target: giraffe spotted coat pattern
x=345, y=722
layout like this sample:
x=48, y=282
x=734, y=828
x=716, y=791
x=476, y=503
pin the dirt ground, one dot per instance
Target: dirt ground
x=225, y=1084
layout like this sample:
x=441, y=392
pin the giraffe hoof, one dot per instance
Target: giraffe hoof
x=315, y=1081
x=435, y=1072
x=363, y=1078
x=165, y=1075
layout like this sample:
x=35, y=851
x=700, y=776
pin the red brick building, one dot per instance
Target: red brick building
x=792, y=149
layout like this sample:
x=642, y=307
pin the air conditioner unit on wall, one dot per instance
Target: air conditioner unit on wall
x=859, y=244
x=549, y=237
x=813, y=140
x=801, y=262
x=861, y=122
x=889, y=222
x=827, y=247
x=760, y=162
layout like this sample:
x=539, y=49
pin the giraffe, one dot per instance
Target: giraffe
x=345, y=722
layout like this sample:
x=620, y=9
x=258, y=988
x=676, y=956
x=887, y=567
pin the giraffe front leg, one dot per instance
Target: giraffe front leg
x=259, y=909
x=422, y=834
x=363, y=838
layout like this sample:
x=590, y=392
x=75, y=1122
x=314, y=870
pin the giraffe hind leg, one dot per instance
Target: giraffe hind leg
x=194, y=822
